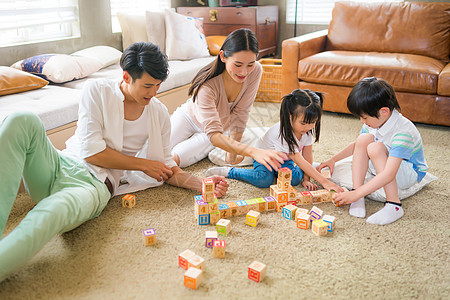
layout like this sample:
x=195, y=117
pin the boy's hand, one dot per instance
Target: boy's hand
x=345, y=198
x=221, y=186
x=310, y=186
x=329, y=163
x=157, y=170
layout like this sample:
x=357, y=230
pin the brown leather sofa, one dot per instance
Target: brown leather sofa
x=407, y=44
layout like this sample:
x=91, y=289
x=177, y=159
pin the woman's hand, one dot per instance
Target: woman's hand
x=221, y=186
x=271, y=159
x=310, y=186
x=157, y=170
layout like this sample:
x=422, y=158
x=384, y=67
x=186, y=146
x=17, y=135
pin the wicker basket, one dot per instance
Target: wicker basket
x=270, y=87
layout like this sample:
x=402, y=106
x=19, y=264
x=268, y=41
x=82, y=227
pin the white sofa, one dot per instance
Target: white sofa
x=57, y=103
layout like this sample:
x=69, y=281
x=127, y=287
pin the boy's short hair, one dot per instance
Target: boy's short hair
x=145, y=56
x=369, y=95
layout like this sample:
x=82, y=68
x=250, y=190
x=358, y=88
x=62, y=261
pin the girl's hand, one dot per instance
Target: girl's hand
x=310, y=186
x=329, y=163
x=345, y=198
x=233, y=159
x=271, y=159
x=157, y=170
x=332, y=186
x=221, y=186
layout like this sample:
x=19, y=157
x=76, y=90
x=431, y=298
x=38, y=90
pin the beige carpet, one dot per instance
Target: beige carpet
x=105, y=258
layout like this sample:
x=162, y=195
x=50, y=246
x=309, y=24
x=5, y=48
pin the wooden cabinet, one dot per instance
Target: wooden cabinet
x=262, y=20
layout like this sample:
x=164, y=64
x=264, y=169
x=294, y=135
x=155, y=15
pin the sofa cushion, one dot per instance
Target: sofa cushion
x=406, y=27
x=15, y=81
x=105, y=54
x=155, y=25
x=406, y=72
x=444, y=82
x=133, y=29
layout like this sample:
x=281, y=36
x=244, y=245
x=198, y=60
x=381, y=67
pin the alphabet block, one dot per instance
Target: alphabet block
x=283, y=185
x=261, y=204
x=303, y=220
x=203, y=219
x=192, y=278
x=252, y=218
x=213, y=206
x=208, y=185
x=289, y=211
x=330, y=222
x=183, y=258
x=196, y=262
x=326, y=173
x=270, y=203
x=128, y=200
x=223, y=227
x=280, y=206
x=149, y=236
x=208, y=196
x=315, y=213
x=210, y=237
x=224, y=210
x=252, y=205
x=319, y=227
x=280, y=196
x=256, y=271
x=234, y=209
x=201, y=208
x=285, y=174
x=219, y=249
x=214, y=218
x=306, y=197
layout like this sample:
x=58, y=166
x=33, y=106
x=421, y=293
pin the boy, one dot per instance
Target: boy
x=389, y=146
x=122, y=144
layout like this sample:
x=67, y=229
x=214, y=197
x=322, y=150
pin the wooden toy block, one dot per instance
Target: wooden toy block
x=208, y=197
x=149, y=236
x=213, y=206
x=334, y=194
x=326, y=196
x=280, y=196
x=196, y=262
x=293, y=202
x=326, y=173
x=292, y=194
x=303, y=221
x=198, y=197
x=192, y=278
x=214, y=217
x=306, y=197
x=283, y=185
x=285, y=174
x=261, y=204
x=280, y=206
x=203, y=219
x=223, y=227
x=315, y=213
x=219, y=249
x=252, y=218
x=242, y=207
x=289, y=211
x=256, y=271
x=234, y=210
x=225, y=211
x=210, y=237
x=330, y=222
x=316, y=197
x=183, y=258
x=128, y=201
x=301, y=211
x=201, y=208
x=271, y=203
x=252, y=204
x=319, y=227
x=208, y=185
x=272, y=190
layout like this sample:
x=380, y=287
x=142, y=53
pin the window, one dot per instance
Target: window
x=134, y=7
x=315, y=11
x=27, y=21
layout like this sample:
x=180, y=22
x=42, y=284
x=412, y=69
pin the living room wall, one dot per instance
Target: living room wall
x=95, y=22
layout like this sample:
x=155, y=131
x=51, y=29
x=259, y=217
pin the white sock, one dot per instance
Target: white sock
x=220, y=171
x=358, y=208
x=388, y=214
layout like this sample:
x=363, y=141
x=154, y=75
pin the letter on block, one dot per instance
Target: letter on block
x=219, y=249
x=211, y=236
x=252, y=218
x=192, y=278
x=128, y=200
x=213, y=206
x=281, y=196
x=203, y=219
x=285, y=174
x=208, y=185
x=196, y=262
x=283, y=185
x=330, y=222
x=149, y=236
x=201, y=208
x=183, y=258
x=315, y=213
x=214, y=217
x=303, y=221
x=225, y=211
x=256, y=271
x=223, y=227
x=289, y=211
x=280, y=206
x=319, y=227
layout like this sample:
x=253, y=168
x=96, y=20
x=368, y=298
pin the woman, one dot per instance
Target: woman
x=222, y=96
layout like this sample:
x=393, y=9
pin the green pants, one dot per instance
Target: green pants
x=66, y=194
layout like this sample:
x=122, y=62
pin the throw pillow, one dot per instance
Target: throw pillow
x=133, y=29
x=105, y=54
x=156, y=28
x=184, y=37
x=16, y=81
x=59, y=68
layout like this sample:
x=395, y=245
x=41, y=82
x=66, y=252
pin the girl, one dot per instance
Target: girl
x=294, y=135
x=222, y=95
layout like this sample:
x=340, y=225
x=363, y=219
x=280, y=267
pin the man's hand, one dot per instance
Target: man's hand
x=157, y=170
x=221, y=186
